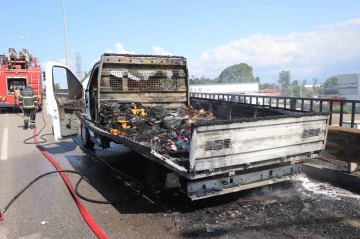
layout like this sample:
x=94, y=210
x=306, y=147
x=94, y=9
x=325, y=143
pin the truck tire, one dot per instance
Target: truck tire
x=155, y=179
x=86, y=138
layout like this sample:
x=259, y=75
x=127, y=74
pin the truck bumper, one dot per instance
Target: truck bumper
x=224, y=185
x=6, y=105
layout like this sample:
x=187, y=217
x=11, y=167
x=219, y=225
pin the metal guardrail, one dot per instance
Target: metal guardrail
x=314, y=105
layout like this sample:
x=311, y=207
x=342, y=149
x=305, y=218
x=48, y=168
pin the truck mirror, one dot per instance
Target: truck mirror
x=43, y=75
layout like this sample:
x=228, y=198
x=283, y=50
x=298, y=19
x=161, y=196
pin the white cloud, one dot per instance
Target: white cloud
x=323, y=51
x=160, y=51
x=119, y=48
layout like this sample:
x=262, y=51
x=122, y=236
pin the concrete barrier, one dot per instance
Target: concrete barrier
x=334, y=177
x=343, y=144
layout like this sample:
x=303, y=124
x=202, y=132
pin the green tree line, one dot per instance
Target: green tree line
x=236, y=73
x=244, y=73
x=289, y=87
x=296, y=88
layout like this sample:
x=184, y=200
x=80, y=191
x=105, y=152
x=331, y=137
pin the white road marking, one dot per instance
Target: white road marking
x=4, y=145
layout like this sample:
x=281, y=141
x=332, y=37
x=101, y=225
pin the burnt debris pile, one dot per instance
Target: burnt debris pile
x=167, y=131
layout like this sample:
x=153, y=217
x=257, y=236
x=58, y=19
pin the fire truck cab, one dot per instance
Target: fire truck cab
x=16, y=72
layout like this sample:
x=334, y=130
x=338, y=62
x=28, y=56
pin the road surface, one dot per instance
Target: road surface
x=299, y=209
x=48, y=200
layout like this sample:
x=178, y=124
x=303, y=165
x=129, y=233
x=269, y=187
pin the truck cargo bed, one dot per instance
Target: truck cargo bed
x=211, y=147
x=241, y=137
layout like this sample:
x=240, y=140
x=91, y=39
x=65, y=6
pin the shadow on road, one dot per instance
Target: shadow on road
x=59, y=148
x=105, y=181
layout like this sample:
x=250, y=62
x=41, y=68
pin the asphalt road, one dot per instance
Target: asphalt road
x=49, y=200
x=288, y=210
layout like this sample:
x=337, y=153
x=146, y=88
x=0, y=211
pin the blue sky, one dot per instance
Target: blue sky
x=269, y=35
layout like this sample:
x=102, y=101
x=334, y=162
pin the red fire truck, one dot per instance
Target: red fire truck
x=16, y=72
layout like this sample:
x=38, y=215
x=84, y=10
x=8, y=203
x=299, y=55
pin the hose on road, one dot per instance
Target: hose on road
x=41, y=137
x=33, y=181
x=74, y=192
x=81, y=176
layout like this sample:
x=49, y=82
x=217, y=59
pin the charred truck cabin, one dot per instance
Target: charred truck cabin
x=210, y=147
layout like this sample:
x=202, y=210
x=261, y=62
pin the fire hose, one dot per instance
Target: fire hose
x=74, y=192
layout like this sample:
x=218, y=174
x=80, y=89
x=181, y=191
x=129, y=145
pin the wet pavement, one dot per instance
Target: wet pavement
x=47, y=200
x=299, y=209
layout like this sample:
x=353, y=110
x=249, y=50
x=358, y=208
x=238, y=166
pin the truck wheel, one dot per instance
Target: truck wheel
x=155, y=179
x=85, y=137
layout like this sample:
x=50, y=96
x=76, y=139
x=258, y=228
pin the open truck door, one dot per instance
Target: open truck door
x=62, y=103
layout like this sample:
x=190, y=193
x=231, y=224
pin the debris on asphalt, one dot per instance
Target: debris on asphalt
x=306, y=208
x=210, y=230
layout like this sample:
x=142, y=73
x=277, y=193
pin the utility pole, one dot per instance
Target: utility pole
x=66, y=51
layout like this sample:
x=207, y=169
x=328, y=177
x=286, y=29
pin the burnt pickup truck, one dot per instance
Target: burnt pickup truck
x=205, y=147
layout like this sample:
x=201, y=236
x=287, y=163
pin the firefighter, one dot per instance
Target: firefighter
x=29, y=104
x=16, y=93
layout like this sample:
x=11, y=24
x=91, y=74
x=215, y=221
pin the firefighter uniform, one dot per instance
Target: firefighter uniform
x=29, y=102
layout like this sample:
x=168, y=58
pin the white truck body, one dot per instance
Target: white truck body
x=245, y=147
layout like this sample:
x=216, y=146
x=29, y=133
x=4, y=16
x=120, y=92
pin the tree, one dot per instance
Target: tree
x=296, y=88
x=304, y=92
x=86, y=74
x=269, y=86
x=315, y=88
x=56, y=86
x=331, y=86
x=237, y=73
x=257, y=79
x=202, y=80
x=304, y=82
x=284, y=82
x=315, y=82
